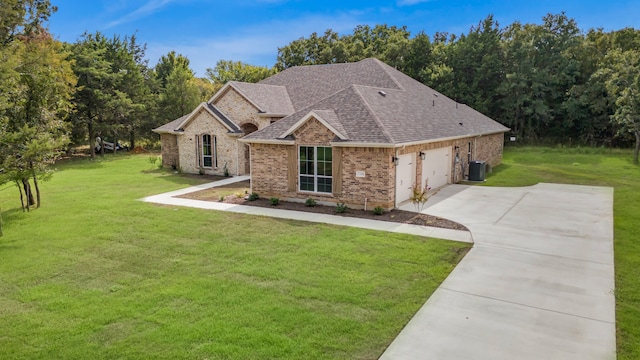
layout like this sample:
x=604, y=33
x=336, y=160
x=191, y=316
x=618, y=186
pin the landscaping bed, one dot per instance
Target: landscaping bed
x=236, y=193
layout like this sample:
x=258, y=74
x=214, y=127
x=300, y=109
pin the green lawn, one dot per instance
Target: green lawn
x=96, y=274
x=603, y=167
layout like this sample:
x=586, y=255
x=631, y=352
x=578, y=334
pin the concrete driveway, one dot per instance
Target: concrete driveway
x=538, y=283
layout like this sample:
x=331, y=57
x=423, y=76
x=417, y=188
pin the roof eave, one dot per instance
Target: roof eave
x=172, y=132
x=419, y=142
x=361, y=144
x=267, y=141
x=266, y=115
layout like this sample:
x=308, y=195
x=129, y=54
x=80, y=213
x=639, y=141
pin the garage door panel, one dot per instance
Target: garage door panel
x=405, y=177
x=436, y=168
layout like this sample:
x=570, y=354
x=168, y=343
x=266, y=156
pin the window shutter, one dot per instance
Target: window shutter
x=293, y=168
x=215, y=152
x=198, y=149
x=337, y=171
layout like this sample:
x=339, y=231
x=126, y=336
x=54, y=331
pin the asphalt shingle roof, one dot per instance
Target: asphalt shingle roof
x=374, y=103
x=171, y=127
x=272, y=99
x=176, y=126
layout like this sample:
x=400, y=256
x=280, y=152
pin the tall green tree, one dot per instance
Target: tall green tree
x=181, y=95
x=228, y=70
x=168, y=63
x=476, y=61
x=35, y=134
x=95, y=84
x=115, y=95
x=622, y=74
x=36, y=86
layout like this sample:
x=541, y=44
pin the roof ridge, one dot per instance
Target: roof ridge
x=373, y=114
x=384, y=66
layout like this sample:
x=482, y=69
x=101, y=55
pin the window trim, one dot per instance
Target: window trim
x=213, y=145
x=315, y=170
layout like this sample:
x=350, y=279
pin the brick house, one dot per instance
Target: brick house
x=359, y=133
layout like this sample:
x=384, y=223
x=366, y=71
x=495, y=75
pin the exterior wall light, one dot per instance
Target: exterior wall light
x=423, y=155
x=395, y=160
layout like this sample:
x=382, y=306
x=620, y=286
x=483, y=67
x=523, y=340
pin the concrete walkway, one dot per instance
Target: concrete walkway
x=171, y=199
x=538, y=283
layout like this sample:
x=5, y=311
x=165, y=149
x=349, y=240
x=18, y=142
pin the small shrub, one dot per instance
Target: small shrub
x=274, y=201
x=155, y=160
x=221, y=198
x=253, y=197
x=378, y=210
x=201, y=171
x=341, y=208
x=310, y=202
x=226, y=170
x=239, y=194
x=419, y=196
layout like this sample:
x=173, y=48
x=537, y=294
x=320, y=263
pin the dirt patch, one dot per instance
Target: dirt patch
x=236, y=194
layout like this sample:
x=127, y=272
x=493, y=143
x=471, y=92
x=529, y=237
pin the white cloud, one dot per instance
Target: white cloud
x=411, y=2
x=256, y=45
x=147, y=9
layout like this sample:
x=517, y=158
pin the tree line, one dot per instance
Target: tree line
x=547, y=82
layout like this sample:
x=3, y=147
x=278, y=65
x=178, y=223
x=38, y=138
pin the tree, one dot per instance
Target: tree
x=168, y=63
x=181, y=94
x=622, y=74
x=476, y=61
x=35, y=132
x=114, y=94
x=95, y=83
x=23, y=18
x=228, y=70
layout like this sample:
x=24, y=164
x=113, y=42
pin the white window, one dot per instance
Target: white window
x=315, y=168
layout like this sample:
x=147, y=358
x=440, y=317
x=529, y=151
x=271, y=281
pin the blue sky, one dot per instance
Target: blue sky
x=252, y=31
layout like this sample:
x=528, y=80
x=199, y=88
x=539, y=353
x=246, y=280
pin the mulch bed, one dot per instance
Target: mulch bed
x=398, y=216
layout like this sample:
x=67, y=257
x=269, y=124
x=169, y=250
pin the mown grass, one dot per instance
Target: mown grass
x=602, y=167
x=97, y=274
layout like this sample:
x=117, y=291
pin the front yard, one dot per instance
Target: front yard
x=97, y=274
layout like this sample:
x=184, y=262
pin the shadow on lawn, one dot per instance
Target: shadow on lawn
x=181, y=178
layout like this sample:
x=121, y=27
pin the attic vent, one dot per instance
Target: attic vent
x=382, y=93
x=460, y=124
x=434, y=94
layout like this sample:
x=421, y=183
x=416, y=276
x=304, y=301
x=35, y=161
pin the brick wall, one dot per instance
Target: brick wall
x=240, y=111
x=378, y=185
x=489, y=149
x=169, y=146
x=270, y=175
x=227, y=146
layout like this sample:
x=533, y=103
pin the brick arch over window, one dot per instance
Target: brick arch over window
x=247, y=128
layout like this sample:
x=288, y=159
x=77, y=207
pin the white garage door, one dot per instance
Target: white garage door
x=436, y=167
x=405, y=177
